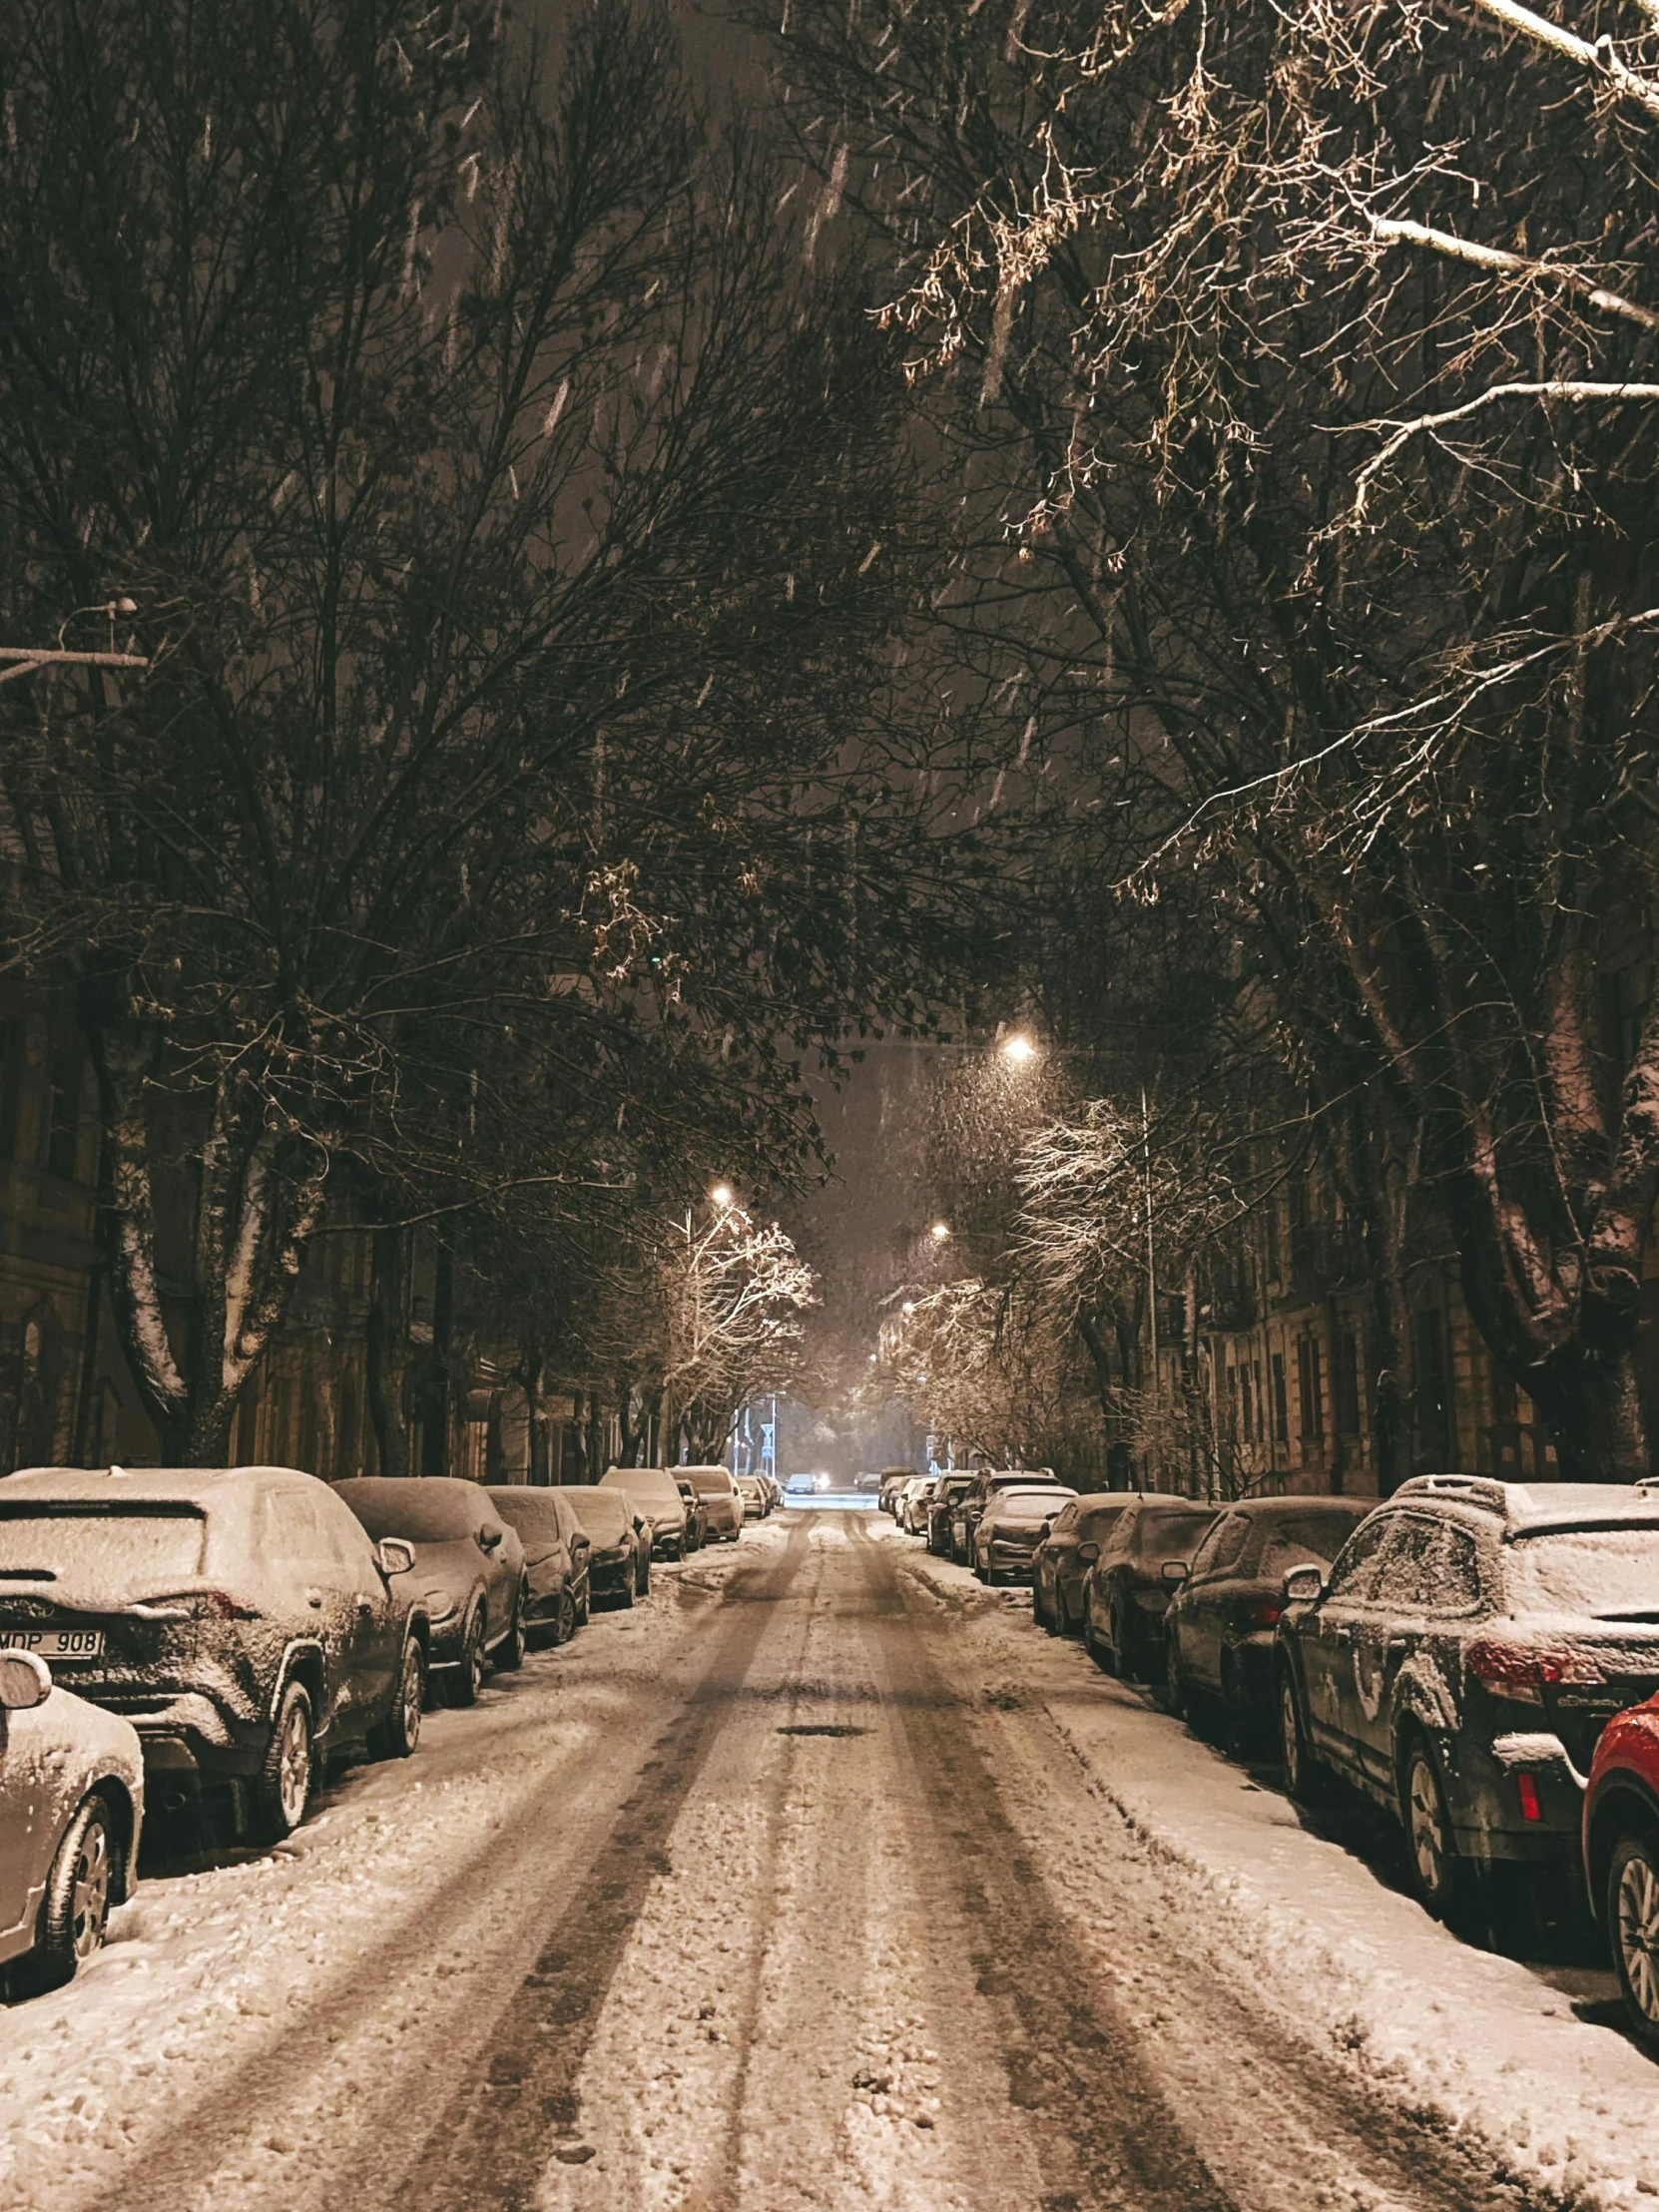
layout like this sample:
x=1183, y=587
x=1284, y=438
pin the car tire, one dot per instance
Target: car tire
x=1092, y=1644
x=398, y=1735
x=584, y=1606
x=462, y=1683
x=1631, y=1906
x=508, y=1655
x=625, y=1596
x=283, y=1785
x=1438, y=1873
x=1304, y=1776
x=644, y=1583
x=565, y=1623
x=75, y=1910
x=1126, y=1658
x=1175, y=1696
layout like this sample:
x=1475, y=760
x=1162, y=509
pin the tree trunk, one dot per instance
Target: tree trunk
x=388, y=1351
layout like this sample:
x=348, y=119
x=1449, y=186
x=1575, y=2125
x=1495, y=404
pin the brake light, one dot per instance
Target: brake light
x=217, y=1604
x=1525, y=1671
x=1264, y=1616
x=1527, y=1789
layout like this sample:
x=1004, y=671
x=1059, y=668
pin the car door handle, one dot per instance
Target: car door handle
x=365, y=1604
x=314, y=1597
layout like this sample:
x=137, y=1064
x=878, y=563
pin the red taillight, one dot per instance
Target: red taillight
x=1528, y=1789
x=1265, y=1616
x=1525, y=1671
x=219, y=1604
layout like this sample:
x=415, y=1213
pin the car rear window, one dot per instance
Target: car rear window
x=1031, y=1504
x=709, y=1481
x=1171, y=1530
x=653, y=1482
x=530, y=1515
x=1607, y=1573
x=124, y=1550
x=424, y=1511
x=1301, y=1537
x=1093, y=1524
x=603, y=1515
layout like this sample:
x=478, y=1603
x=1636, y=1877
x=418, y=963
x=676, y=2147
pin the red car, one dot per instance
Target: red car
x=1621, y=1857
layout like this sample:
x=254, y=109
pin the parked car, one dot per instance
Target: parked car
x=619, y=1565
x=750, y=1489
x=894, y=1480
x=697, y=1517
x=911, y=1504
x=867, y=1483
x=1142, y=1560
x=71, y=1815
x=1012, y=1527
x=469, y=1572
x=942, y=1509
x=772, y=1488
x=1219, y=1630
x=556, y=1547
x=720, y=1503
x=655, y=1496
x=1062, y=1561
x=973, y=1501
x=239, y=1617
x=1461, y=1659
x=1621, y=1858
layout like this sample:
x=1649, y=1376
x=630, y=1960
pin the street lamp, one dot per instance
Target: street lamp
x=939, y=1230
x=722, y=1195
x=1018, y=1048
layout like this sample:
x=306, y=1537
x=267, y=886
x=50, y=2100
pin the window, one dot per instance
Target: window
x=1431, y=1569
x=11, y=1086
x=1229, y=1542
x=1247, y=1406
x=1359, y=1563
x=1280, y=1405
x=1345, y=1384
x=1431, y=1405
x=1261, y=1401
x=1310, y=1389
x=63, y=1115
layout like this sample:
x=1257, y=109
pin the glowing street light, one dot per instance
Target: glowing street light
x=908, y=1307
x=721, y=1193
x=939, y=1230
x=1018, y=1048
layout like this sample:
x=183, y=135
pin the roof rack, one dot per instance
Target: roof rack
x=1479, y=1490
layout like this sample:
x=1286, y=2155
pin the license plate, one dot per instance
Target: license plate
x=55, y=1643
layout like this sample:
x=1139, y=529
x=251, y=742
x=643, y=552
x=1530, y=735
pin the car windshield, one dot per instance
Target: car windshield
x=121, y=1550
x=1315, y=1537
x=423, y=1511
x=1607, y=1573
x=1031, y=1504
x=602, y=1513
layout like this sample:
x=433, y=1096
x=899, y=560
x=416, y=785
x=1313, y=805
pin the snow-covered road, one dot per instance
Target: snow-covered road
x=822, y=1881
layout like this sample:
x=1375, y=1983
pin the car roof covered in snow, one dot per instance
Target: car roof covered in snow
x=1526, y=1506
x=106, y=1485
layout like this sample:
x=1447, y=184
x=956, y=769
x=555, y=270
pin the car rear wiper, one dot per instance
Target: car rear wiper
x=1635, y=1613
x=28, y=1574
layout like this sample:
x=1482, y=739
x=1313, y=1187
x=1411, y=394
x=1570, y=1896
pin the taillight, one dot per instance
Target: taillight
x=213, y=1604
x=1525, y=1671
x=1527, y=1789
x=1264, y=1616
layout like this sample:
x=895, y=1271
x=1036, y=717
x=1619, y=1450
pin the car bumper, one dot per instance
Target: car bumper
x=1010, y=1558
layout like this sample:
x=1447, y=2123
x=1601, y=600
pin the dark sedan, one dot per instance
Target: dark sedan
x=556, y=1551
x=468, y=1571
x=1219, y=1630
x=697, y=1517
x=1065, y=1555
x=619, y=1565
x=1141, y=1562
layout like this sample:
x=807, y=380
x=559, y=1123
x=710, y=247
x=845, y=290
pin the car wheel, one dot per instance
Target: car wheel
x=1302, y=1775
x=644, y=1584
x=283, y=1786
x=75, y=1910
x=1091, y=1642
x=399, y=1733
x=1633, y=1930
x=463, y=1681
x=1175, y=1687
x=1125, y=1656
x=568, y=1621
x=584, y=1606
x=625, y=1596
x=509, y=1652
x=1436, y=1866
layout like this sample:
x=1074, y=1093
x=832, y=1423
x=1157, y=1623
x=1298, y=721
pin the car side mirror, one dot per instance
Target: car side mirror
x=25, y=1681
x=393, y=1556
x=1088, y=1554
x=1174, y=1572
x=1304, y=1585
x=489, y=1539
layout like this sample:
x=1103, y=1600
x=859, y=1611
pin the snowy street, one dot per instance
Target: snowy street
x=822, y=1880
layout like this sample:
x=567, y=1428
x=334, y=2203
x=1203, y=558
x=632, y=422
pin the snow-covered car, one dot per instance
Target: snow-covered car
x=1012, y=1527
x=719, y=1492
x=1621, y=1858
x=619, y=1565
x=909, y=1503
x=239, y=1617
x=973, y=1501
x=1060, y=1565
x=942, y=1500
x=894, y=1480
x=556, y=1548
x=1460, y=1661
x=1219, y=1630
x=750, y=1489
x=1143, y=1560
x=469, y=1572
x=655, y=1496
x=696, y=1517
x=71, y=1815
